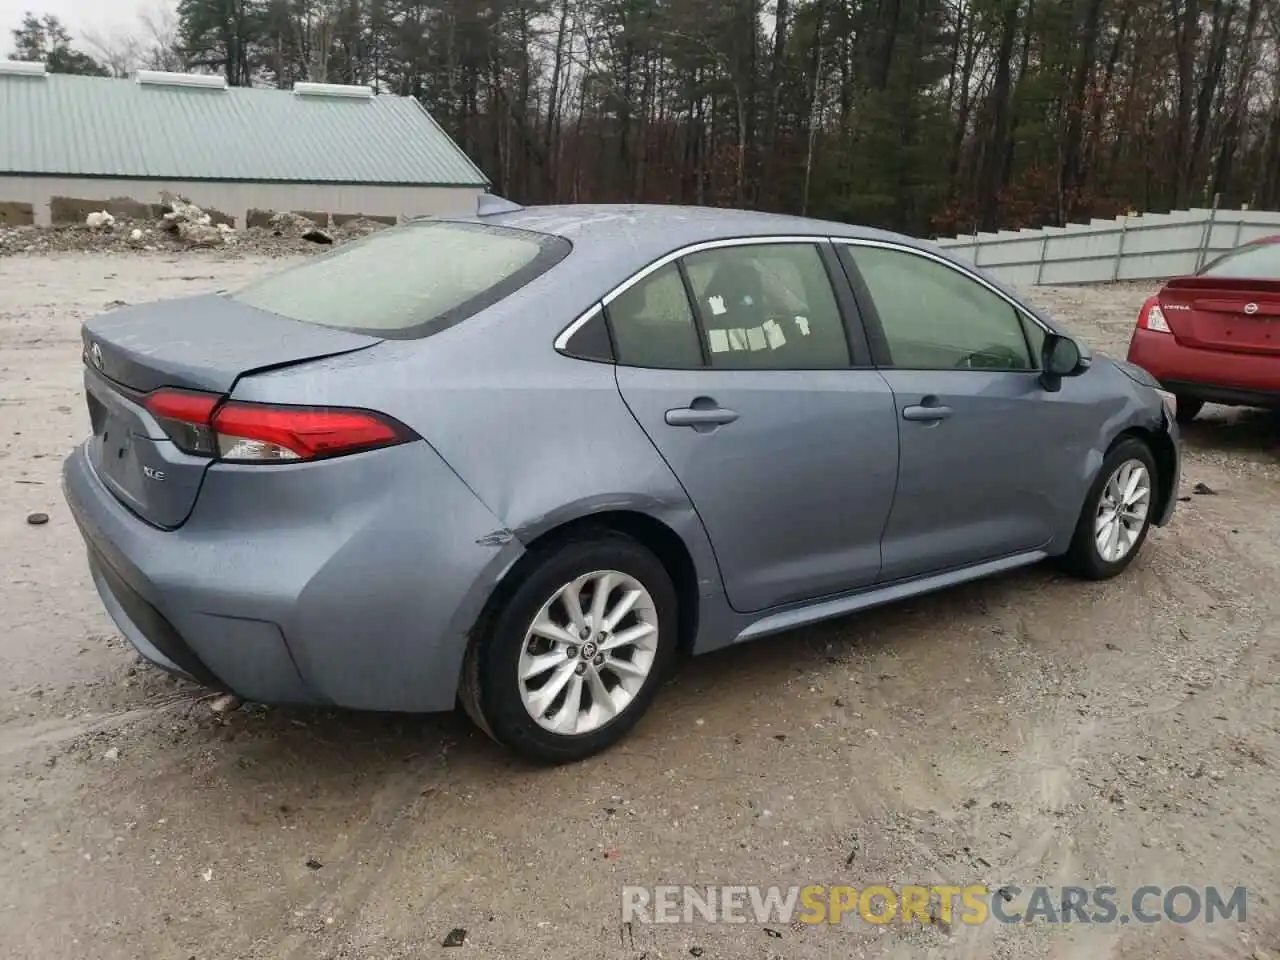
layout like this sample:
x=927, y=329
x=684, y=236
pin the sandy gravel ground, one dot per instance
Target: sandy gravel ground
x=1029, y=729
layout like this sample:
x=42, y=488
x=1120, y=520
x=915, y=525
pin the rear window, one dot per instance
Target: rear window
x=408, y=281
x=1253, y=262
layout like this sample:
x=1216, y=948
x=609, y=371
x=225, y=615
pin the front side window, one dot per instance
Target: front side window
x=936, y=318
x=767, y=306
x=653, y=325
x=409, y=281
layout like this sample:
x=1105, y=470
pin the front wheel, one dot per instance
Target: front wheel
x=573, y=658
x=1117, y=513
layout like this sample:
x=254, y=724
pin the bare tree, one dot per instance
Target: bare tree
x=160, y=47
x=121, y=53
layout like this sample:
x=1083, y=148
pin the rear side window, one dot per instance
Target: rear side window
x=1254, y=262
x=768, y=306
x=653, y=325
x=409, y=281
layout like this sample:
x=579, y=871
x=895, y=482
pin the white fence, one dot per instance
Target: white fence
x=1142, y=247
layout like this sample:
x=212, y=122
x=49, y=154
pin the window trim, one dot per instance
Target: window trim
x=857, y=335
x=867, y=307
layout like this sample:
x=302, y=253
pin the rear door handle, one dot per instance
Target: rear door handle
x=700, y=416
x=926, y=413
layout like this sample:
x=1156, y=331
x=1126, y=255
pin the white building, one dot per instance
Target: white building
x=70, y=145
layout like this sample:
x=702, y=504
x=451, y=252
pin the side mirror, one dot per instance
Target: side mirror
x=1060, y=357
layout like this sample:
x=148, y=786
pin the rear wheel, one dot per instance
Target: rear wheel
x=1187, y=408
x=1117, y=513
x=572, y=659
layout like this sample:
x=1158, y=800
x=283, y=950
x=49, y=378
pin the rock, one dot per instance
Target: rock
x=288, y=224
x=37, y=519
x=135, y=235
x=226, y=703
x=314, y=864
x=98, y=221
x=456, y=938
x=187, y=221
x=1261, y=954
x=200, y=235
x=317, y=236
x=1204, y=490
x=112, y=754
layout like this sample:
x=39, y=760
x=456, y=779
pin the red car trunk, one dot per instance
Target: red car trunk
x=1224, y=313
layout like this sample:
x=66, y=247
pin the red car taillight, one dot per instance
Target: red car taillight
x=205, y=424
x=1151, y=317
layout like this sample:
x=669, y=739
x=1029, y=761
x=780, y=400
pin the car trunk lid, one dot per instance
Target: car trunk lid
x=1224, y=313
x=201, y=343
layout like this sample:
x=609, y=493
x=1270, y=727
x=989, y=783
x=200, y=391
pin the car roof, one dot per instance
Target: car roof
x=621, y=238
x=647, y=231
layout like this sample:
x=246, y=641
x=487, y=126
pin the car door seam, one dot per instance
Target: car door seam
x=680, y=483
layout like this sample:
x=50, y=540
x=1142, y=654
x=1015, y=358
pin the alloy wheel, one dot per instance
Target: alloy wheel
x=1122, y=510
x=588, y=652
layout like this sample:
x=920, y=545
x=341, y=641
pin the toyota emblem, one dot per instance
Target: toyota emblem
x=1251, y=308
x=95, y=354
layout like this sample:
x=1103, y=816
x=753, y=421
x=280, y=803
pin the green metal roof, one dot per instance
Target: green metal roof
x=58, y=125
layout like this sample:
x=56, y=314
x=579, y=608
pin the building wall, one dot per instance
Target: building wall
x=237, y=199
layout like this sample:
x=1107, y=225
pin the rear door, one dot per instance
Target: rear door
x=736, y=362
x=987, y=455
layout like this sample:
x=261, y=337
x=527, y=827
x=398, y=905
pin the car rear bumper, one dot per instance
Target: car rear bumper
x=1216, y=376
x=354, y=582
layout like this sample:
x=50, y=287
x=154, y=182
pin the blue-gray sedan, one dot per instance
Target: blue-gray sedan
x=524, y=459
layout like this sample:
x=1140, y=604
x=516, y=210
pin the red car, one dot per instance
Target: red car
x=1214, y=337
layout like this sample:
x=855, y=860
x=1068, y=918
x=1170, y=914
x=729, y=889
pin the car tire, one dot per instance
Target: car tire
x=497, y=682
x=1187, y=408
x=1093, y=558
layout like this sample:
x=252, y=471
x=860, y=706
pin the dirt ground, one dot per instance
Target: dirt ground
x=1027, y=729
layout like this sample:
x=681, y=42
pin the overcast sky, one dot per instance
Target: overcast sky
x=80, y=16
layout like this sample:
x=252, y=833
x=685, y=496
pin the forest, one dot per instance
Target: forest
x=930, y=117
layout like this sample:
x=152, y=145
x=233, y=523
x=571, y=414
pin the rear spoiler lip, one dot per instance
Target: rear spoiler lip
x=1198, y=282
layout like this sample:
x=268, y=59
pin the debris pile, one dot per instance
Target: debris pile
x=359, y=227
x=192, y=226
x=296, y=226
x=181, y=226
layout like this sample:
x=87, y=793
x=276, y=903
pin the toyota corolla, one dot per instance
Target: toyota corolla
x=522, y=460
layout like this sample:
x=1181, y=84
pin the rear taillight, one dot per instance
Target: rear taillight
x=1151, y=317
x=207, y=425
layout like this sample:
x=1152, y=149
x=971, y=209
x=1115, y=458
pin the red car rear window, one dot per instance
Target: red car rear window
x=1255, y=261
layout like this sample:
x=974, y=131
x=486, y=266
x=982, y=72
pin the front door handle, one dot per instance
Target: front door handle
x=702, y=413
x=926, y=413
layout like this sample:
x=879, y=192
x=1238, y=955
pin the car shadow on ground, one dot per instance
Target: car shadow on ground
x=330, y=749
x=1246, y=431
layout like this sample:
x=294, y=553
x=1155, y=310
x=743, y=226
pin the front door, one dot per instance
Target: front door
x=987, y=454
x=788, y=453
